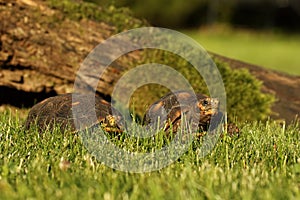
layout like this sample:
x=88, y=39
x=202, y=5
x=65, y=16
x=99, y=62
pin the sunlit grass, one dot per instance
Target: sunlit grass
x=263, y=163
x=272, y=50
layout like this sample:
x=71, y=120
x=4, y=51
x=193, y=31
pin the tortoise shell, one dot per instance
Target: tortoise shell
x=58, y=110
x=167, y=113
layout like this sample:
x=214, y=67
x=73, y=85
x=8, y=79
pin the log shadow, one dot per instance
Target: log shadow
x=22, y=99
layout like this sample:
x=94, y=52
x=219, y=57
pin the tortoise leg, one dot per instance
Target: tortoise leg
x=174, y=122
x=232, y=129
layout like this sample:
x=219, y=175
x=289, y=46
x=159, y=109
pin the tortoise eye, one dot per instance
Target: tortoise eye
x=205, y=102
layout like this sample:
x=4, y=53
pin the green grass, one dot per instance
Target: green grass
x=263, y=163
x=272, y=50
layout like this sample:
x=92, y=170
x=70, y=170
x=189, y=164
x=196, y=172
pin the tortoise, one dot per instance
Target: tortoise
x=58, y=110
x=167, y=113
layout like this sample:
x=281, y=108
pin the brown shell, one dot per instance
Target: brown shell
x=168, y=111
x=58, y=111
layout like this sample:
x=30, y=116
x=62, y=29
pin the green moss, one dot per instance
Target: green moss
x=245, y=99
x=119, y=18
x=244, y=96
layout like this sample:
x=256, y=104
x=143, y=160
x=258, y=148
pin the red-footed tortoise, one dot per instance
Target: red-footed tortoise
x=198, y=109
x=58, y=111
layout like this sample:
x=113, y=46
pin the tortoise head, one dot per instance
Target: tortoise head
x=112, y=123
x=208, y=106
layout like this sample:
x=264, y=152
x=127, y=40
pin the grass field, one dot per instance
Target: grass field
x=263, y=163
x=271, y=50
